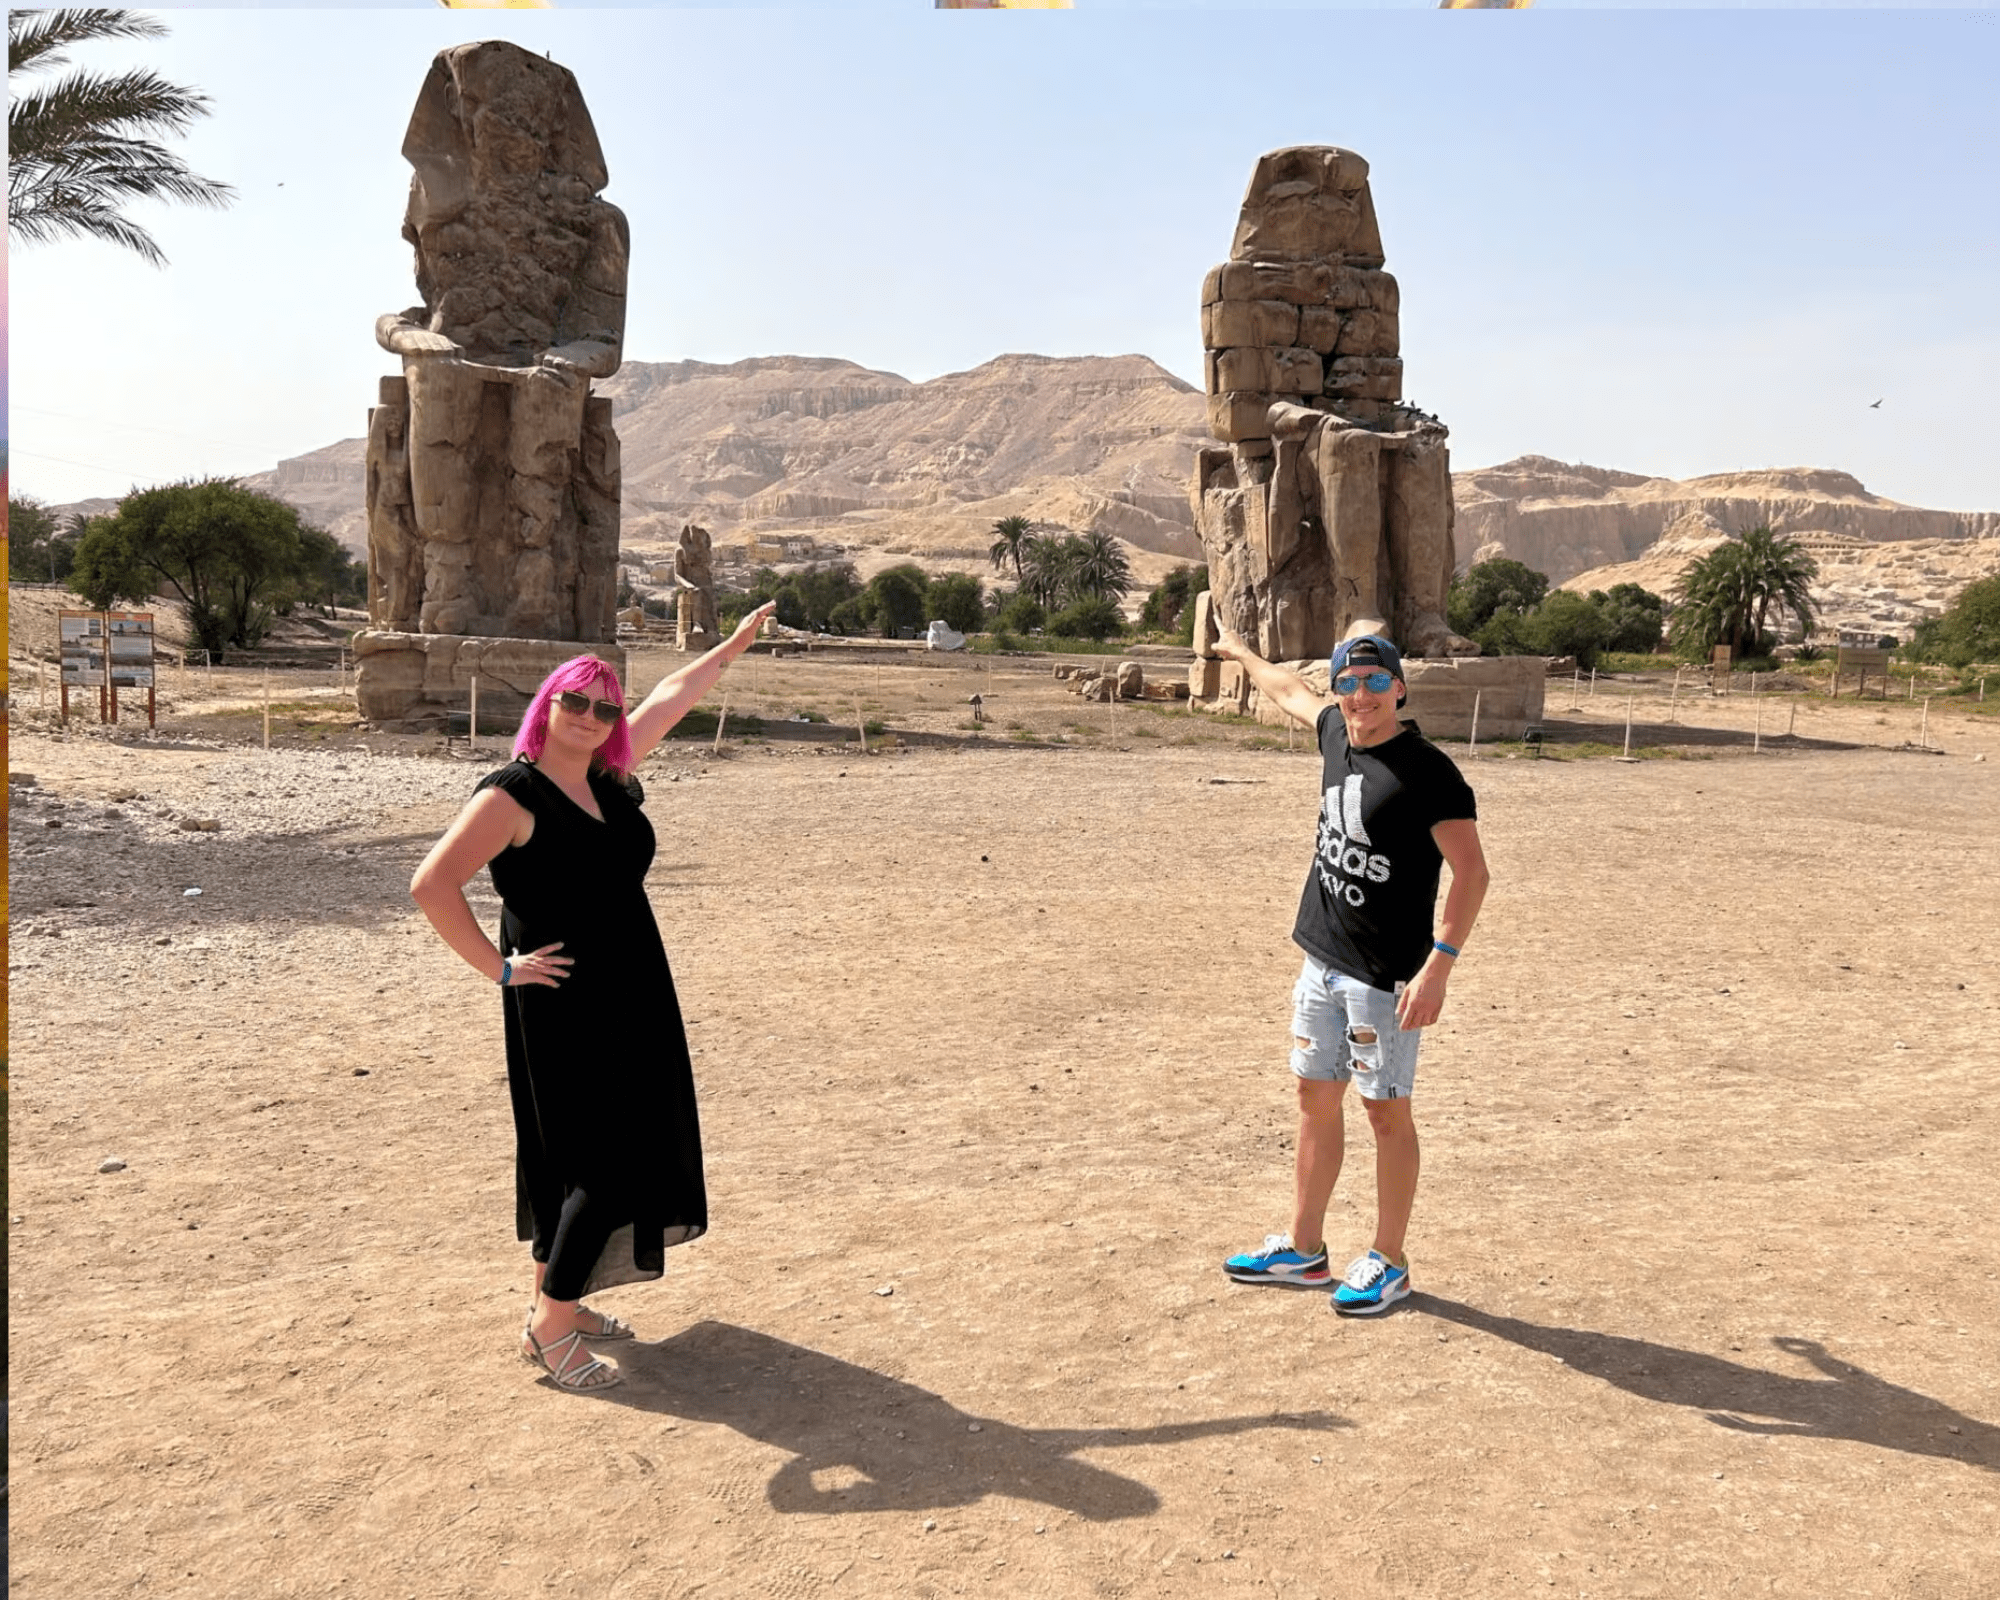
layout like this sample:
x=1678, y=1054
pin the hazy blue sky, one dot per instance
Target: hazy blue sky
x=1671, y=241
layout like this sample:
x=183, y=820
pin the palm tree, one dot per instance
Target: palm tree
x=76, y=150
x=1728, y=594
x=1781, y=575
x=1101, y=571
x=1013, y=534
x=1047, y=568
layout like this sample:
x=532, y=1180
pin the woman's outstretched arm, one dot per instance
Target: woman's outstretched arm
x=674, y=695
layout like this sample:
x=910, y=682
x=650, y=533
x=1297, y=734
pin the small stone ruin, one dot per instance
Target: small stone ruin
x=492, y=469
x=1326, y=510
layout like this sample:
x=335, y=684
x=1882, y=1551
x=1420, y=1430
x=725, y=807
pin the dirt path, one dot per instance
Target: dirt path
x=1708, y=1267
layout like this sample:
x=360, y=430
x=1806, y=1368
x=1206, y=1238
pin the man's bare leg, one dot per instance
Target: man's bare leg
x=1322, y=1144
x=1396, y=1163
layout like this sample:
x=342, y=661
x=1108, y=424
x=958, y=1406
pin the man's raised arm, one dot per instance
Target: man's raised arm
x=1283, y=687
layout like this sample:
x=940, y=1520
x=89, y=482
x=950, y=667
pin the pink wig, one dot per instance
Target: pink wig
x=584, y=674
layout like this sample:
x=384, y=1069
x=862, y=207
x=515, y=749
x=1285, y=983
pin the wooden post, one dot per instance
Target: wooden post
x=861, y=727
x=721, y=721
x=472, y=718
x=1630, y=700
x=1757, y=738
x=1593, y=681
x=267, y=708
x=1792, y=721
x=1674, y=701
x=1924, y=729
x=1472, y=742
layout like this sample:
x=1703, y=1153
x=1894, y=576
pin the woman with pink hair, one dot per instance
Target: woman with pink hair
x=607, y=1144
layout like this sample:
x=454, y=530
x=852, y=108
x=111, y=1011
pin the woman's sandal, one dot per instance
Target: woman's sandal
x=609, y=1327
x=557, y=1360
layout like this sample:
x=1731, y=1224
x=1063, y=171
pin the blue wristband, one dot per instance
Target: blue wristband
x=1439, y=944
x=506, y=970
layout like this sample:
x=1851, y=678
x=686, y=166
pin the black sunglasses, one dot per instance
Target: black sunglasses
x=606, y=711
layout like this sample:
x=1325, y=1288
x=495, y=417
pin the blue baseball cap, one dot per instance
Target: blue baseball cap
x=1368, y=650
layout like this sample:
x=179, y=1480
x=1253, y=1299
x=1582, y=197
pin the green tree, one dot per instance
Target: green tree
x=1568, y=624
x=82, y=147
x=1729, y=594
x=959, y=601
x=232, y=555
x=899, y=597
x=1011, y=535
x=1968, y=631
x=1492, y=586
x=39, y=548
x=1634, y=618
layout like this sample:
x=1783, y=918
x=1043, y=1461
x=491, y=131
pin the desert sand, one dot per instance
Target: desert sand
x=991, y=1044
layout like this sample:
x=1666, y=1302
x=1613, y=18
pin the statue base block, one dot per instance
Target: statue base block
x=404, y=677
x=1509, y=691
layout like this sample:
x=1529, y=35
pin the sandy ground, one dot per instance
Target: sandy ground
x=991, y=1046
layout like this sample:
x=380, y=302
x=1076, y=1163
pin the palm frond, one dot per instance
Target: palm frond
x=75, y=146
x=37, y=40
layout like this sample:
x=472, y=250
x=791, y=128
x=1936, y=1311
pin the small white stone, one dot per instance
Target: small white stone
x=111, y=1164
x=973, y=1427
x=929, y=1526
x=886, y=1290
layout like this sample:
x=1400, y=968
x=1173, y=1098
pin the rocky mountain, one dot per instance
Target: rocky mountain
x=789, y=445
x=1566, y=519
x=888, y=469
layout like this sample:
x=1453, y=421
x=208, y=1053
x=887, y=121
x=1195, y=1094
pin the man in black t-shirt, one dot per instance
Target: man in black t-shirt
x=1393, y=810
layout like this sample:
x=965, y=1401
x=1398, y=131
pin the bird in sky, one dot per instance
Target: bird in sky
x=1876, y=405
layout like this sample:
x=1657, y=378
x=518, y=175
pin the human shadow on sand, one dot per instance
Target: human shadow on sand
x=1846, y=1403
x=887, y=1445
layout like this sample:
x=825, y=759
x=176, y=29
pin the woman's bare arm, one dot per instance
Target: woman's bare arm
x=489, y=824
x=675, y=695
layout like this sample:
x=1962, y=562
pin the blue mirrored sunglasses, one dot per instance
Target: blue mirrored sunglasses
x=1378, y=682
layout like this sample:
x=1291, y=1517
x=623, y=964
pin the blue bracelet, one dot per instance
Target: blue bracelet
x=506, y=970
x=1439, y=944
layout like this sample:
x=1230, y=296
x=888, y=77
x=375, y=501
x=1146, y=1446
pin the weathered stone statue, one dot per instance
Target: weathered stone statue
x=694, y=578
x=1330, y=505
x=492, y=469
x=1328, y=509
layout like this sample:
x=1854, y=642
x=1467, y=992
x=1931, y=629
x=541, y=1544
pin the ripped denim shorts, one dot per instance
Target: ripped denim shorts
x=1350, y=1032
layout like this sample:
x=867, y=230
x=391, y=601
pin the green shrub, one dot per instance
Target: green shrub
x=1087, y=619
x=1968, y=631
x=1569, y=624
x=1172, y=598
x=1020, y=613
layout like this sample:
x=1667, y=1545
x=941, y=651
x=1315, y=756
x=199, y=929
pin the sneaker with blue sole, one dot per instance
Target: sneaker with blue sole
x=1279, y=1261
x=1373, y=1283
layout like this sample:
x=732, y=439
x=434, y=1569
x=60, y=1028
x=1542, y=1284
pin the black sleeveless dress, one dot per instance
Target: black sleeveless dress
x=597, y=1066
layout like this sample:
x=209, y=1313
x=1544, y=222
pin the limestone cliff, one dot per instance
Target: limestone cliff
x=1565, y=519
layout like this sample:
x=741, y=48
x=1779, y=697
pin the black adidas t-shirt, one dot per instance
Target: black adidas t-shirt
x=1369, y=898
